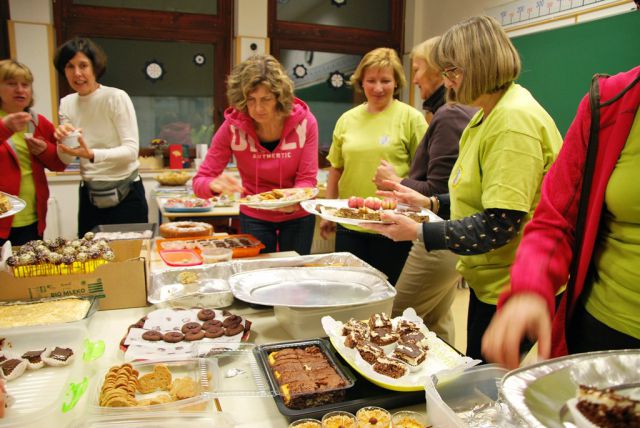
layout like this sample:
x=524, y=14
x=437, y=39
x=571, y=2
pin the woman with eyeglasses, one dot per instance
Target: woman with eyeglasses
x=382, y=128
x=27, y=147
x=494, y=186
x=427, y=281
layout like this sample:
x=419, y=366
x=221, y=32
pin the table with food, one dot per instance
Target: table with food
x=227, y=336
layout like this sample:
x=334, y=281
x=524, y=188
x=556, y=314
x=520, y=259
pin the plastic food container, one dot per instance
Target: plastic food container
x=306, y=423
x=216, y=255
x=243, y=245
x=180, y=257
x=304, y=400
x=339, y=419
x=409, y=419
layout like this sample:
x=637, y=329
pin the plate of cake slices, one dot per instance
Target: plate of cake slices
x=394, y=353
x=341, y=211
x=278, y=198
x=10, y=205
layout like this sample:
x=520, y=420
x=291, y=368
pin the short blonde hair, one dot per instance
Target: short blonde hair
x=11, y=69
x=482, y=50
x=423, y=51
x=260, y=70
x=380, y=58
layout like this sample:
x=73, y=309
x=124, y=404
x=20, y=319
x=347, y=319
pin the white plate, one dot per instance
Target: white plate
x=310, y=207
x=17, y=205
x=279, y=203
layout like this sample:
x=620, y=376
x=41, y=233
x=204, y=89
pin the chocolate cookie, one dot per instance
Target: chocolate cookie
x=211, y=323
x=232, y=320
x=152, y=335
x=206, y=314
x=191, y=336
x=191, y=327
x=173, y=337
x=213, y=332
x=233, y=330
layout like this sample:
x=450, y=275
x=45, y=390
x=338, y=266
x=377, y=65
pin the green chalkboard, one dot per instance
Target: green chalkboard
x=557, y=65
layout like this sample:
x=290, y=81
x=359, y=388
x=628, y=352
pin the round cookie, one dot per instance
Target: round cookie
x=152, y=335
x=214, y=332
x=191, y=327
x=173, y=337
x=191, y=336
x=233, y=330
x=206, y=314
x=211, y=323
x=232, y=320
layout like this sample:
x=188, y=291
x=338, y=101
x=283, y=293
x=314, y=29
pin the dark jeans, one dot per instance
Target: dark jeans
x=379, y=251
x=133, y=209
x=21, y=235
x=479, y=316
x=587, y=334
x=291, y=235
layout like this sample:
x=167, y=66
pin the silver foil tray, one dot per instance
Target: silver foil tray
x=310, y=287
x=538, y=393
x=164, y=288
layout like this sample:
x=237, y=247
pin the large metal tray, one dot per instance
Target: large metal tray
x=539, y=393
x=311, y=287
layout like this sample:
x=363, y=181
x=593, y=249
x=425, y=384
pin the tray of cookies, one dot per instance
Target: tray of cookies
x=38, y=365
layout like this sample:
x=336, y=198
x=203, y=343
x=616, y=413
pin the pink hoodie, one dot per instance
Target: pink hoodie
x=294, y=162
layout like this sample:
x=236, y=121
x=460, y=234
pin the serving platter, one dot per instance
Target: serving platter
x=316, y=207
x=295, y=196
x=17, y=205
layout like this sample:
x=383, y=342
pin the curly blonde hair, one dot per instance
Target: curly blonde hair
x=12, y=69
x=380, y=58
x=260, y=70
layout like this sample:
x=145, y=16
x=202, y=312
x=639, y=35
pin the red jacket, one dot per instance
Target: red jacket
x=10, y=171
x=544, y=256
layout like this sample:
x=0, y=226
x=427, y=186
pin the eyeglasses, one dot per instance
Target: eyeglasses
x=451, y=72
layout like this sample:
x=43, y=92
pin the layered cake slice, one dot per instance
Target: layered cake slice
x=370, y=352
x=605, y=408
x=388, y=367
x=410, y=353
x=416, y=338
x=380, y=320
x=383, y=336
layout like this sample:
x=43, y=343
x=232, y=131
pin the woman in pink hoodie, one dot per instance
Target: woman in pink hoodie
x=274, y=139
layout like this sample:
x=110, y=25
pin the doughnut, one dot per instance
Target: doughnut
x=206, y=314
x=152, y=335
x=191, y=327
x=173, y=337
x=191, y=336
x=232, y=320
x=233, y=330
x=211, y=323
x=183, y=229
x=214, y=332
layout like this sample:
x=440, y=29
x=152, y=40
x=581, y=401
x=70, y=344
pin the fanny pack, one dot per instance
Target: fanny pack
x=107, y=194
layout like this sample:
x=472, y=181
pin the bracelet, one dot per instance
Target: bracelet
x=435, y=204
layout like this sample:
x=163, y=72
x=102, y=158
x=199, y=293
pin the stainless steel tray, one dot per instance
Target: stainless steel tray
x=311, y=287
x=538, y=393
x=164, y=288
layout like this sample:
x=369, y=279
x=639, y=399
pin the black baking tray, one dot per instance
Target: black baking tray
x=363, y=393
x=127, y=227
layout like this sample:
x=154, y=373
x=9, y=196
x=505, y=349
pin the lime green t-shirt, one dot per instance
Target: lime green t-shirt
x=615, y=295
x=503, y=158
x=361, y=139
x=27, y=193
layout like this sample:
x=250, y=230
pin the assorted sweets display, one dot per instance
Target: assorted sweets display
x=13, y=365
x=60, y=256
x=185, y=229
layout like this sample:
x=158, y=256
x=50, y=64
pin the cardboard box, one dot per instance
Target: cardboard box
x=123, y=282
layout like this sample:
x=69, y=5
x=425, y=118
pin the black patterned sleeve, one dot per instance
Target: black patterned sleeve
x=476, y=234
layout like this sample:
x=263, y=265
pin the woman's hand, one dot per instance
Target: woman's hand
x=63, y=130
x=225, y=184
x=82, y=151
x=36, y=146
x=399, y=228
x=16, y=122
x=524, y=314
x=404, y=195
x=327, y=228
x=385, y=172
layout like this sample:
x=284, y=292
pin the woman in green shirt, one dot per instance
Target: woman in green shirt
x=495, y=184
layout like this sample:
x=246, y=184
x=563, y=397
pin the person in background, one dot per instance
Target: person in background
x=111, y=191
x=599, y=311
x=494, y=186
x=274, y=138
x=382, y=128
x=427, y=281
x=27, y=147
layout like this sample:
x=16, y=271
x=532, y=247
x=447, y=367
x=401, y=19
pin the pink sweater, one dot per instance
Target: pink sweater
x=294, y=162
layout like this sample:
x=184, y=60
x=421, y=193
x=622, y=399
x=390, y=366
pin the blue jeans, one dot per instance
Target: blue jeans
x=292, y=235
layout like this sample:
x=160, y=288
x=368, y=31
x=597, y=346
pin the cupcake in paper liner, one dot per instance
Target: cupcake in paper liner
x=13, y=367
x=34, y=358
x=58, y=356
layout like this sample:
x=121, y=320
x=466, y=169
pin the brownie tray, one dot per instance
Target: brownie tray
x=362, y=393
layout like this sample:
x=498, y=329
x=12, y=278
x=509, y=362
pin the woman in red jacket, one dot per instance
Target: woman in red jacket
x=599, y=311
x=24, y=157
